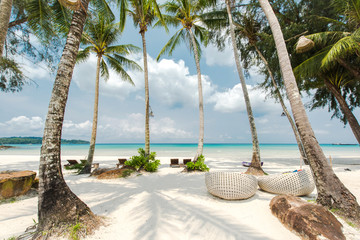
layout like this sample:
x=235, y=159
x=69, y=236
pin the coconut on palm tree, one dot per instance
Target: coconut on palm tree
x=187, y=14
x=143, y=13
x=101, y=34
x=331, y=191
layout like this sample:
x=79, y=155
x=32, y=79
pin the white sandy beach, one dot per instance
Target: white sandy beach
x=169, y=204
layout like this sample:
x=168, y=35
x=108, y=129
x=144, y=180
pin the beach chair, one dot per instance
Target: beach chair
x=174, y=162
x=71, y=162
x=231, y=185
x=121, y=162
x=186, y=160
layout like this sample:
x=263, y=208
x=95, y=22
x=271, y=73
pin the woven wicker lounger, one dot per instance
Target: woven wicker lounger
x=295, y=183
x=231, y=185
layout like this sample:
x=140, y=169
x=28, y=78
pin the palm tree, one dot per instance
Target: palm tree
x=255, y=167
x=331, y=191
x=57, y=204
x=335, y=79
x=337, y=48
x=143, y=13
x=5, y=13
x=187, y=13
x=249, y=29
x=101, y=34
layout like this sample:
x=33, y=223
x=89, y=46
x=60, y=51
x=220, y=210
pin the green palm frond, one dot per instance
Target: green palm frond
x=84, y=54
x=40, y=18
x=202, y=33
x=103, y=9
x=343, y=47
x=310, y=67
x=174, y=41
x=118, y=68
x=123, y=6
x=62, y=16
x=127, y=63
x=123, y=49
x=325, y=38
x=104, y=70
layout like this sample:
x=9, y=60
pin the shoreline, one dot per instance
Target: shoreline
x=169, y=204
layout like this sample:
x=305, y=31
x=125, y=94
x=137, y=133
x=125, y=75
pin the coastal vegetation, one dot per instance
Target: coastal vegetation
x=36, y=140
x=328, y=69
x=144, y=161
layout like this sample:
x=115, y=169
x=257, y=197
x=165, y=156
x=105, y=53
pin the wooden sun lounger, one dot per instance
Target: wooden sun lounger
x=174, y=162
x=71, y=162
x=121, y=162
x=186, y=160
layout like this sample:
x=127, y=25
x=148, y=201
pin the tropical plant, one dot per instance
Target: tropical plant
x=187, y=14
x=199, y=165
x=144, y=161
x=143, y=13
x=331, y=191
x=102, y=33
x=336, y=50
x=57, y=204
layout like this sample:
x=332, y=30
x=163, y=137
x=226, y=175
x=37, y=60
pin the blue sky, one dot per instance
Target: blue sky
x=173, y=99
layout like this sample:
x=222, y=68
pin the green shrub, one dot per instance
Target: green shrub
x=198, y=165
x=126, y=173
x=149, y=163
x=77, y=166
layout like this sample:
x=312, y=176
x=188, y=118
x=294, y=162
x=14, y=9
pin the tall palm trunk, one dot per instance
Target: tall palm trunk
x=57, y=204
x=201, y=101
x=291, y=121
x=5, y=13
x=354, y=124
x=331, y=191
x=147, y=104
x=90, y=158
x=255, y=167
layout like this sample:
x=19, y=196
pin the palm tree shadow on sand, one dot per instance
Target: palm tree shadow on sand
x=152, y=202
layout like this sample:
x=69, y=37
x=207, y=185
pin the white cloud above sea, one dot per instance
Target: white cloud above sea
x=128, y=128
x=232, y=100
x=171, y=83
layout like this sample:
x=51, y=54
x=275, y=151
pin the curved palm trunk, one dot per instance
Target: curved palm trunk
x=201, y=101
x=255, y=167
x=5, y=13
x=90, y=158
x=331, y=191
x=354, y=124
x=147, y=104
x=291, y=121
x=57, y=204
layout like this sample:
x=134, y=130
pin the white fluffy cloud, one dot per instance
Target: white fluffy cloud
x=171, y=83
x=213, y=57
x=232, y=100
x=22, y=125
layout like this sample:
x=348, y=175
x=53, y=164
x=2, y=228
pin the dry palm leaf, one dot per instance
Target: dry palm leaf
x=304, y=44
x=71, y=4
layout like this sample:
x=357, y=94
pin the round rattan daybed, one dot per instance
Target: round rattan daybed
x=298, y=183
x=231, y=185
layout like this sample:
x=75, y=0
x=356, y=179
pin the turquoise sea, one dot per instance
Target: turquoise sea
x=230, y=150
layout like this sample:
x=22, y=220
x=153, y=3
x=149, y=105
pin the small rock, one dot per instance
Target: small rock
x=308, y=220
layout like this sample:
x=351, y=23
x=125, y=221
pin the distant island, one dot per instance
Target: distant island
x=35, y=140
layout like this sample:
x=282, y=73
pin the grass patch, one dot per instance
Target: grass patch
x=74, y=231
